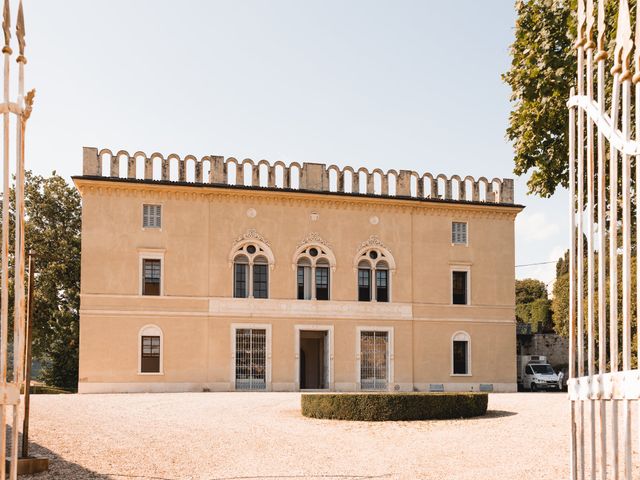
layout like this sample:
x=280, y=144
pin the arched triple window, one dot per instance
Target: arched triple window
x=251, y=262
x=374, y=275
x=461, y=354
x=314, y=264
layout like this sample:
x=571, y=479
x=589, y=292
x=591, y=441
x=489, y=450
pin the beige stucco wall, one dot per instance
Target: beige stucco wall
x=195, y=313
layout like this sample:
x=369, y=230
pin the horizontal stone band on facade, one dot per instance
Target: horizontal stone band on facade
x=211, y=169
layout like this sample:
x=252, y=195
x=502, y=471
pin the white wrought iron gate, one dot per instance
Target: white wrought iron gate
x=604, y=170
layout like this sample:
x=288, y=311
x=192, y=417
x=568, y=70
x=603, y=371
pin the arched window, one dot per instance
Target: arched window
x=314, y=263
x=150, y=350
x=461, y=354
x=374, y=265
x=251, y=260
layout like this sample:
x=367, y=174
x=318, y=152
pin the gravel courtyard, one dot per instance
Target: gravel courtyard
x=262, y=435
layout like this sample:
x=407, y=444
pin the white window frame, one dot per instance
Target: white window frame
x=459, y=336
x=150, y=330
x=150, y=254
x=460, y=268
x=466, y=243
x=390, y=354
x=296, y=346
x=155, y=229
x=261, y=326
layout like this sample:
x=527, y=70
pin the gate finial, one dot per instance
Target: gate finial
x=20, y=34
x=624, y=43
x=580, y=39
x=589, y=30
x=602, y=51
x=6, y=27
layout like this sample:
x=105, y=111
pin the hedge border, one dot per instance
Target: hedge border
x=388, y=406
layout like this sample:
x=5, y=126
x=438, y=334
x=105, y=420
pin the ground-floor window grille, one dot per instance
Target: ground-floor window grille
x=251, y=359
x=374, y=353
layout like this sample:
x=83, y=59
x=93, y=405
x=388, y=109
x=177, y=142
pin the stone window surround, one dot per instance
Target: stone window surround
x=460, y=267
x=262, y=250
x=390, y=353
x=150, y=330
x=461, y=335
x=150, y=254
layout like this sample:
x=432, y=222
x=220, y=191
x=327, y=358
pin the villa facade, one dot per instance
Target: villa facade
x=215, y=275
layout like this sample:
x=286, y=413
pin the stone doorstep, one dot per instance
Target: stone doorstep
x=30, y=465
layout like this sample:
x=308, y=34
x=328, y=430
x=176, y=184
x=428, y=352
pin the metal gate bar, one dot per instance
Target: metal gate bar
x=591, y=130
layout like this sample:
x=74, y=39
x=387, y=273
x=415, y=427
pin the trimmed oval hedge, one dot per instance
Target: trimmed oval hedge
x=385, y=406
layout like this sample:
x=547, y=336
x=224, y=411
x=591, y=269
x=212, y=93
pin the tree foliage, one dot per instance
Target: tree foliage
x=542, y=72
x=52, y=233
x=532, y=304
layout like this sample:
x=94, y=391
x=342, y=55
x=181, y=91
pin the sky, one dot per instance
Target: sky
x=391, y=84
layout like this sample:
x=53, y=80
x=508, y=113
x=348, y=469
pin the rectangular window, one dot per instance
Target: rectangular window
x=260, y=280
x=382, y=285
x=322, y=283
x=150, y=361
x=151, y=272
x=364, y=285
x=460, y=357
x=151, y=216
x=459, y=233
x=459, y=281
x=240, y=289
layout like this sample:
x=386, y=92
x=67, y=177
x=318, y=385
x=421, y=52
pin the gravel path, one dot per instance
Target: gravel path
x=262, y=435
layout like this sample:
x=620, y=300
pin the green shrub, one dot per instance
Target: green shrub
x=393, y=406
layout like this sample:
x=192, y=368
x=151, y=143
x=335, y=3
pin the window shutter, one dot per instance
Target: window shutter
x=151, y=216
x=459, y=233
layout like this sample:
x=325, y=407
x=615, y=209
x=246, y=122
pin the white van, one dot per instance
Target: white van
x=534, y=373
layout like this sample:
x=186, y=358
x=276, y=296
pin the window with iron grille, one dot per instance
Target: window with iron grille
x=382, y=285
x=364, y=284
x=459, y=283
x=459, y=233
x=460, y=357
x=251, y=359
x=374, y=360
x=151, y=273
x=322, y=283
x=151, y=216
x=150, y=352
x=260, y=280
x=240, y=289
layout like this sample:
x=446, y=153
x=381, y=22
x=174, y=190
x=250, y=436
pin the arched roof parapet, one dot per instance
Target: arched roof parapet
x=348, y=168
x=333, y=167
x=469, y=177
x=295, y=164
x=281, y=163
x=103, y=151
x=264, y=162
x=363, y=169
x=249, y=161
x=393, y=172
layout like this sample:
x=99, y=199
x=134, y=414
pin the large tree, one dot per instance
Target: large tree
x=52, y=233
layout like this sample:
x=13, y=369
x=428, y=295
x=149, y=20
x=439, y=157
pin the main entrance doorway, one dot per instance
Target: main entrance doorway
x=314, y=359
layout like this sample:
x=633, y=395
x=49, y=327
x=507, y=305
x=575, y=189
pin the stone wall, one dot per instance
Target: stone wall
x=551, y=345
